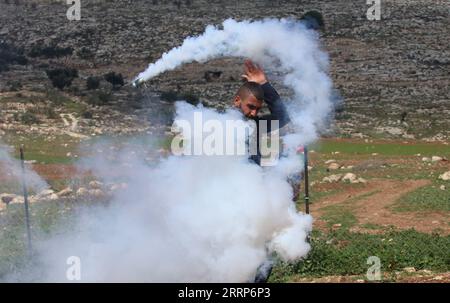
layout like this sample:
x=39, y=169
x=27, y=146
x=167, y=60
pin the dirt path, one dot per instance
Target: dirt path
x=370, y=204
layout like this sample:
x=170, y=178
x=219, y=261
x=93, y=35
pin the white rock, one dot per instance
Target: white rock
x=409, y=269
x=361, y=180
x=95, y=184
x=445, y=176
x=442, y=187
x=45, y=193
x=350, y=177
x=436, y=159
x=97, y=193
x=65, y=192
x=82, y=191
x=426, y=159
x=18, y=200
x=332, y=178
x=333, y=166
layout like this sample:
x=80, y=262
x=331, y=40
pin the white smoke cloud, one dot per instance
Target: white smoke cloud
x=204, y=218
x=11, y=172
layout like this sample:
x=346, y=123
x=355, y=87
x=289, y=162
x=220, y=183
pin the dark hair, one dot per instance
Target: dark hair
x=251, y=88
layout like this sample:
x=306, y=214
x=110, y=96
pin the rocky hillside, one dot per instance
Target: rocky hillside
x=393, y=74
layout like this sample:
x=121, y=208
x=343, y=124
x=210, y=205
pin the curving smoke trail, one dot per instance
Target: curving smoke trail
x=283, y=44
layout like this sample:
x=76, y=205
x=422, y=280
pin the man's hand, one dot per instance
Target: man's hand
x=254, y=73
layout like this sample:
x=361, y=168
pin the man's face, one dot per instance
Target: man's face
x=249, y=105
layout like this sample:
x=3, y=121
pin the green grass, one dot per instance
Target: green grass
x=339, y=214
x=41, y=149
x=346, y=253
x=389, y=149
x=424, y=199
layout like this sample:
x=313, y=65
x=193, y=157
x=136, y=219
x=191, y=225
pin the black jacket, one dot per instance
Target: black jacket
x=277, y=112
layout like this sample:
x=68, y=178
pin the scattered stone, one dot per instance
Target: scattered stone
x=445, y=176
x=436, y=159
x=409, y=269
x=332, y=178
x=336, y=226
x=97, y=193
x=82, y=191
x=333, y=166
x=46, y=193
x=350, y=177
x=95, y=185
x=65, y=192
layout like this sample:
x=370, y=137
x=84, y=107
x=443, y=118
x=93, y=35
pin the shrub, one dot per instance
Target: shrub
x=62, y=77
x=115, y=79
x=170, y=96
x=51, y=51
x=190, y=97
x=10, y=55
x=99, y=98
x=29, y=118
x=313, y=20
x=14, y=85
x=87, y=115
x=92, y=83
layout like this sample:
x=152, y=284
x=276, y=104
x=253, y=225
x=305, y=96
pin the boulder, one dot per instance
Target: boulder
x=349, y=177
x=333, y=166
x=445, y=176
x=95, y=184
x=332, y=178
x=82, y=192
x=65, y=192
x=436, y=159
x=96, y=193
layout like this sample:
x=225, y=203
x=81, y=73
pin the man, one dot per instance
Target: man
x=249, y=99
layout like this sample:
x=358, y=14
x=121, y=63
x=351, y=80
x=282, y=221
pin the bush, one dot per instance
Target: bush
x=56, y=98
x=171, y=96
x=62, y=77
x=14, y=85
x=191, y=98
x=29, y=118
x=10, y=55
x=99, y=98
x=313, y=20
x=85, y=53
x=115, y=79
x=92, y=83
x=87, y=115
x=51, y=51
